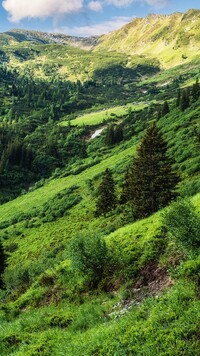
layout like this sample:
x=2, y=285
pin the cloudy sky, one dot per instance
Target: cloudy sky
x=82, y=17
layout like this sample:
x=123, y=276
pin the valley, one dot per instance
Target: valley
x=77, y=280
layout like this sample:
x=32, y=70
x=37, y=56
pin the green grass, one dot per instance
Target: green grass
x=165, y=324
x=96, y=118
x=38, y=197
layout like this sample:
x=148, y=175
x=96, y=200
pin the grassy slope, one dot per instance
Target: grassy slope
x=41, y=195
x=96, y=118
x=168, y=323
x=174, y=38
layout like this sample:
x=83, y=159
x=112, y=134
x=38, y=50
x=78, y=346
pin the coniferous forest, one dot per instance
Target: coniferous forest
x=100, y=193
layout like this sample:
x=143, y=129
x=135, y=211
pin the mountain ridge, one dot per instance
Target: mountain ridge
x=174, y=38
x=39, y=37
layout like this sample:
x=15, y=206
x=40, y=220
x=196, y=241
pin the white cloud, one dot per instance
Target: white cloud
x=97, y=29
x=95, y=6
x=120, y=3
x=125, y=3
x=156, y=3
x=20, y=9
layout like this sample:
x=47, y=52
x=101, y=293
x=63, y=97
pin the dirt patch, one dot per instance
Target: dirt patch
x=153, y=280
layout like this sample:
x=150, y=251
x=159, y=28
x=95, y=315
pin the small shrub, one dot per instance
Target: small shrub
x=62, y=321
x=12, y=341
x=191, y=269
x=46, y=280
x=89, y=257
x=183, y=223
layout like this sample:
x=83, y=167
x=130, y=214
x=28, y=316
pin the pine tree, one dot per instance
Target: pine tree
x=165, y=108
x=196, y=90
x=118, y=134
x=178, y=99
x=159, y=114
x=114, y=134
x=110, y=136
x=153, y=181
x=185, y=100
x=106, y=194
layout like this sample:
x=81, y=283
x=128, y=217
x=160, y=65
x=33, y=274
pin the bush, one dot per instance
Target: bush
x=183, y=223
x=62, y=321
x=89, y=257
x=191, y=270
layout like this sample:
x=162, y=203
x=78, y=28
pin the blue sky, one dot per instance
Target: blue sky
x=82, y=17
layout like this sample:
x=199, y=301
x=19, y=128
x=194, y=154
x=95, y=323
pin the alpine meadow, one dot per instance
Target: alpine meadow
x=100, y=190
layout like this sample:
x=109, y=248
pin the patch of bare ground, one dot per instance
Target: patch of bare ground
x=152, y=282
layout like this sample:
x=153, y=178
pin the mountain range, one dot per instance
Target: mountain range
x=173, y=38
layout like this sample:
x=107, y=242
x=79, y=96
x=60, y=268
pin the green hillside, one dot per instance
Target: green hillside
x=149, y=281
x=75, y=280
x=173, y=38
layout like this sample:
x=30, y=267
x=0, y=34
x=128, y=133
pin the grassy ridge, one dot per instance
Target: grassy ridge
x=173, y=38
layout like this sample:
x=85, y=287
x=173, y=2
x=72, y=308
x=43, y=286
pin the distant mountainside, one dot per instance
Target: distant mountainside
x=174, y=39
x=15, y=36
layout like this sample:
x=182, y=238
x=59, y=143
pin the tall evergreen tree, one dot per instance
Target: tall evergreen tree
x=178, y=99
x=110, y=135
x=106, y=194
x=159, y=114
x=118, y=134
x=196, y=90
x=153, y=181
x=185, y=100
x=165, y=108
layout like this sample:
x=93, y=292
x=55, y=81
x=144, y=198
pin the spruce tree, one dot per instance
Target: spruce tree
x=178, y=99
x=185, y=100
x=165, y=108
x=106, y=194
x=159, y=114
x=118, y=134
x=196, y=90
x=127, y=187
x=153, y=181
x=110, y=135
